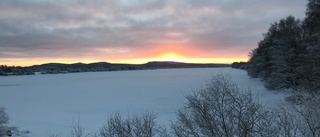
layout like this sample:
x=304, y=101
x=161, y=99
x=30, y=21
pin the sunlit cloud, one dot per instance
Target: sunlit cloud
x=124, y=30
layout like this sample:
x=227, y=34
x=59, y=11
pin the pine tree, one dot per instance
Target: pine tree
x=276, y=60
x=312, y=41
x=285, y=51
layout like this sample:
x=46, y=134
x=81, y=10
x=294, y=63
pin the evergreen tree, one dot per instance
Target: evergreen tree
x=285, y=53
x=259, y=62
x=276, y=60
x=312, y=41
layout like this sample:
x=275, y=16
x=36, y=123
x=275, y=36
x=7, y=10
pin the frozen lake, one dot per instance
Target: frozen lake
x=47, y=104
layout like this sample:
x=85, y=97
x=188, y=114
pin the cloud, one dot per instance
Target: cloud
x=120, y=28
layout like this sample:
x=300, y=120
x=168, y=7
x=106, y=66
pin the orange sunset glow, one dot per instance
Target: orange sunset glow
x=135, y=31
x=164, y=57
x=177, y=53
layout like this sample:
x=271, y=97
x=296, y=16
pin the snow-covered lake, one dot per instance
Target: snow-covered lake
x=47, y=104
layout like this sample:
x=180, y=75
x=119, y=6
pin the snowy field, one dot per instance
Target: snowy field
x=45, y=104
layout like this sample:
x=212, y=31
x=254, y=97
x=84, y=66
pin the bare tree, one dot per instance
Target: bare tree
x=220, y=110
x=287, y=121
x=135, y=126
x=77, y=129
x=116, y=127
x=144, y=126
x=309, y=112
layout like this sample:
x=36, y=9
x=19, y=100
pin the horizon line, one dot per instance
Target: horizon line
x=70, y=63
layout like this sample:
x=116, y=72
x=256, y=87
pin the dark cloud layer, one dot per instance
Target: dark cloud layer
x=109, y=28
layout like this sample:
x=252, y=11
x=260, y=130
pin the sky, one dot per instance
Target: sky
x=136, y=31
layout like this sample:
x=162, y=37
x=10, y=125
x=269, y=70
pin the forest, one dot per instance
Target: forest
x=288, y=56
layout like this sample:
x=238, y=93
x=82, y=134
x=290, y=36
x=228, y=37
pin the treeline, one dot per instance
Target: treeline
x=240, y=65
x=58, y=68
x=289, y=54
x=14, y=70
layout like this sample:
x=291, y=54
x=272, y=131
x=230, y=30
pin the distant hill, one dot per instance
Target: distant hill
x=171, y=64
x=56, y=68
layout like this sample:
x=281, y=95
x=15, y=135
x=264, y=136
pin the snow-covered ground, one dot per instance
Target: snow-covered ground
x=45, y=104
